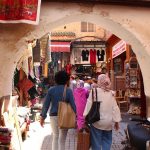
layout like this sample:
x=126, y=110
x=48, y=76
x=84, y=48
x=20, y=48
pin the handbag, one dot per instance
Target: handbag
x=66, y=115
x=94, y=113
x=83, y=139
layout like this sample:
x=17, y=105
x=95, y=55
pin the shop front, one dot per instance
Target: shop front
x=126, y=77
x=87, y=57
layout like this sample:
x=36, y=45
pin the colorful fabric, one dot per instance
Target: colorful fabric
x=80, y=95
x=92, y=56
x=68, y=68
x=25, y=85
x=104, y=82
x=16, y=11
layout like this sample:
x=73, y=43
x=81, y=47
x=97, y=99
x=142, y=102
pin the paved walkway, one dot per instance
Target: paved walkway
x=41, y=138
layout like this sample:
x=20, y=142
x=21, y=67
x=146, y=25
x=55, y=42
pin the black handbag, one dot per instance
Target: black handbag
x=94, y=113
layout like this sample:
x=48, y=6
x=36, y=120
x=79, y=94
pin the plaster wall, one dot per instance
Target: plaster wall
x=128, y=23
x=76, y=28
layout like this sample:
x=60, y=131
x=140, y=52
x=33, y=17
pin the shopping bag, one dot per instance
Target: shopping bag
x=66, y=115
x=94, y=113
x=83, y=139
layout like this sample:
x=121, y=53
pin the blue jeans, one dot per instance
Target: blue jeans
x=100, y=139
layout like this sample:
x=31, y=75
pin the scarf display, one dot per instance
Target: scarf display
x=17, y=11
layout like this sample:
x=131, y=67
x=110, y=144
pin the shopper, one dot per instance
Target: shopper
x=94, y=83
x=87, y=83
x=80, y=95
x=72, y=82
x=52, y=99
x=101, y=131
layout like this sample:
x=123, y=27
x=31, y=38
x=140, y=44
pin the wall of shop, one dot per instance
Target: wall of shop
x=134, y=29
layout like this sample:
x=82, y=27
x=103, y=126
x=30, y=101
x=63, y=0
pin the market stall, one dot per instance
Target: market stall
x=85, y=55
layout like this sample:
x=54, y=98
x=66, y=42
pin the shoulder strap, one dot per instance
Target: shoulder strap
x=64, y=93
x=96, y=93
x=92, y=95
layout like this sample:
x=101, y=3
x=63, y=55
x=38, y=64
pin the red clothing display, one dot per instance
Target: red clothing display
x=25, y=85
x=92, y=56
x=68, y=68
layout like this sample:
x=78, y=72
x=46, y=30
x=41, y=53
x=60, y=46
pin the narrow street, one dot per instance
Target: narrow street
x=39, y=138
x=54, y=50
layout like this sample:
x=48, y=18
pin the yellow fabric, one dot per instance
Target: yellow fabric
x=46, y=70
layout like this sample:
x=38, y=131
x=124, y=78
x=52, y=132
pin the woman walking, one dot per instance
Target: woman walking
x=54, y=95
x=101, y=131
x=80, y=94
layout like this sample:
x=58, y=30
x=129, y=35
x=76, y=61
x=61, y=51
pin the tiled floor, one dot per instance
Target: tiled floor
x=41, y=138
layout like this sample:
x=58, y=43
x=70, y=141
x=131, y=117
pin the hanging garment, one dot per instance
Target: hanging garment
x=98, y=55
x=33, y=92
x=92, y=56
x=83, y=55
x=31, y=79
x=68, y=68
x=25, y=85
x=87, y=55
x=102, y=55
x=16, y=77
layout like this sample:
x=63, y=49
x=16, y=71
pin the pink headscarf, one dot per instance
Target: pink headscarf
x=104, y=82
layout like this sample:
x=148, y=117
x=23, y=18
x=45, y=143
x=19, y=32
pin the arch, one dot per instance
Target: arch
x=111, y=23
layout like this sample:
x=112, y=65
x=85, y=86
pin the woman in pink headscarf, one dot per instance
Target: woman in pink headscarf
x=80, y=96
x=101, y=131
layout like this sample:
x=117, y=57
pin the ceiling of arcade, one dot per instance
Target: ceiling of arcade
x=143, y=3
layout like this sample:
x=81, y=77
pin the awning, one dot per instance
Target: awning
x=118, y=49
x=60, y=46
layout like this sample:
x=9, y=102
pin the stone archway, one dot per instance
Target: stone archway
x=116, y=19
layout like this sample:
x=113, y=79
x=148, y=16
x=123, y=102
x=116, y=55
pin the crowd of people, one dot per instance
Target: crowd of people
x=79, y=95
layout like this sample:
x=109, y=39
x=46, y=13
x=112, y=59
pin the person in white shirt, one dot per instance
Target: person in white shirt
x=87, y=83
x=101, y=131
x=72, y=82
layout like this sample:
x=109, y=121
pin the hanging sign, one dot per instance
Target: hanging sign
x=118, y=49
x=20, y=11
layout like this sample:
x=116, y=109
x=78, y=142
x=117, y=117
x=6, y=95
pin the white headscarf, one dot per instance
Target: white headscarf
x=104, y=82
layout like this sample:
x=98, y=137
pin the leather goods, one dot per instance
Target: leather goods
x=94, y=113
x=66, y=115
x=83, y=139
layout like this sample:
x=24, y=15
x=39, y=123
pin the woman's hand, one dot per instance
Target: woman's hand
x=42, y=121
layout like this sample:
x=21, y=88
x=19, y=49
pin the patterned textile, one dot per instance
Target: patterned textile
x=16, y=11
